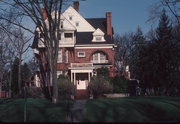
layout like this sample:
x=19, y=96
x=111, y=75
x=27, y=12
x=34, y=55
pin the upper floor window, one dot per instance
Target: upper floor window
x=77, y=24
x=59, y=59
x=99, y=57
x=66, y=56
x=98, y=38
x=68, y=35
x=70, y=17
x=81, y=54
x=62, y=24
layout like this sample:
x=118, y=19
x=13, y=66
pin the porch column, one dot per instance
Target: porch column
x=74, y=77
x=71, y=77
x=89, y=76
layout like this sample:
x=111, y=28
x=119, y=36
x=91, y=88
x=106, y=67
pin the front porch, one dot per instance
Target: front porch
x=81, y=74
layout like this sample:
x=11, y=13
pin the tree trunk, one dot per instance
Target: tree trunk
x=19, y=75
x=10, y=82
x=54, y=81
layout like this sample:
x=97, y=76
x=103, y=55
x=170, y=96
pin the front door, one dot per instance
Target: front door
x=81, y=86
x=81, y=81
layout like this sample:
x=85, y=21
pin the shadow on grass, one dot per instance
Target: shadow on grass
x=133, y=109
x=38, y=110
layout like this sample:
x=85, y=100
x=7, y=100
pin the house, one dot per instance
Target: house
x=86, y=44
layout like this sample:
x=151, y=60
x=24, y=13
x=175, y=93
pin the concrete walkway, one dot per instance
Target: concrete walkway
x=77, y=111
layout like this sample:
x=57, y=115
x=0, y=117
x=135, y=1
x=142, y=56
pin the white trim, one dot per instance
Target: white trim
x=59, y=59
x=81, y=55
x=93, y=47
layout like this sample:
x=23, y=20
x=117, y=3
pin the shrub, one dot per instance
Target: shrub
x=65, y=87
x=103, y=72
x=120, y=84
x=34, y=92
x=99, y=85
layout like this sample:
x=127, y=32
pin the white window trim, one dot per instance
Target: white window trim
x=81, y=55
x=99, y=60
x=66, y=56
x=59, y=60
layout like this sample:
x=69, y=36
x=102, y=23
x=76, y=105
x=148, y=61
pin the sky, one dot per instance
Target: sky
x=127, y=15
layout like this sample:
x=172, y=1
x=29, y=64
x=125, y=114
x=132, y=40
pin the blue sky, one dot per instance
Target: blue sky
x=126, y=14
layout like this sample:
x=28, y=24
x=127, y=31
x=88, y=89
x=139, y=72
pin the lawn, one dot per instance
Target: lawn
x=38, y=110
x=133, y=109
x=129, y=109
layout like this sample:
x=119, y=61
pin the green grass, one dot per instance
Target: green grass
x=38, y=110
x=133, y=109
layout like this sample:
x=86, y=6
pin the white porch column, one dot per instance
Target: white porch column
x=89, y=76
x=71, y=77
x=74, y=78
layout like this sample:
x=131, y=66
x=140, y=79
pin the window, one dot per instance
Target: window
x=68, y=35
x=61, y=24
x=70, y=17
x=99, y=57
x=66, y=56
x=98, y=38
x=81, y=54
x=59, y=59
x=77, y=24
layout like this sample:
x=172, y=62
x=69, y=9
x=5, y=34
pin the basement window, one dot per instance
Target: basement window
x=81, y=54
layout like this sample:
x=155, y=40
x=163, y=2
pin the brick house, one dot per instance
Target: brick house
x=86, y=44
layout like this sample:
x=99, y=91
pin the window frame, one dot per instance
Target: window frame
x=81, y=56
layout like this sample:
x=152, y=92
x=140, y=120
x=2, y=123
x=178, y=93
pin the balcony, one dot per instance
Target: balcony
x=66, y=42
x=81, y=65
x=99, y=61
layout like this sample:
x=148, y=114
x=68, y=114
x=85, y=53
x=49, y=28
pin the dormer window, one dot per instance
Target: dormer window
x=98, y=36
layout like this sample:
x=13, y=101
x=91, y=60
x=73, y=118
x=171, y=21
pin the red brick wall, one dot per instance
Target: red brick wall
x=73, y=58
x=88, y=52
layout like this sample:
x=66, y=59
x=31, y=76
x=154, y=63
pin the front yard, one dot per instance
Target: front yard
x=128, y=109
x=38, y=110
x=134, y=109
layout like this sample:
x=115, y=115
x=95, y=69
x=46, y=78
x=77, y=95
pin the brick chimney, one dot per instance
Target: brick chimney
x=44, y=13
x=108, y=23
x=76, y=5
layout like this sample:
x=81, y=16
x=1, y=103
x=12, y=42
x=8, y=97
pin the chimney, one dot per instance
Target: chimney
x=44, y=13
x=108, y=23
x=76, y=5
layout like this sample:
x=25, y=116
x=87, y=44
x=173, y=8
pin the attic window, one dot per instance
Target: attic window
x=61, y=24
x=98, y=38
x=77, y=24
x=70, y=17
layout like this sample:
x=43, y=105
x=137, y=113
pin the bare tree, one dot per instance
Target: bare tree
x=171, y=6
x=124, y=46
x=21, y=45
x=49, y=27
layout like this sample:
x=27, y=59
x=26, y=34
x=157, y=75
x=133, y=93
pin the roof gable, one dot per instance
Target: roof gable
x=84, y=26
x=98, y=32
